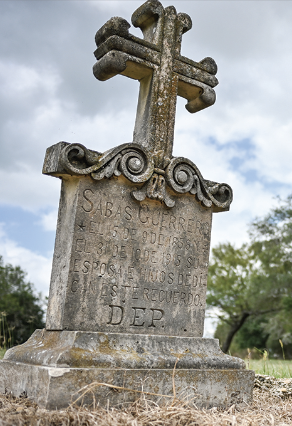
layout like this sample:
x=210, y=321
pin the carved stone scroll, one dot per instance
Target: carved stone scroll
x=138, y=165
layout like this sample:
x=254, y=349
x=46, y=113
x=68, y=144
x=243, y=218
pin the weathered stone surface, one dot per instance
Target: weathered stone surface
x=55, y=388
x=77, y=349
x=124, y=266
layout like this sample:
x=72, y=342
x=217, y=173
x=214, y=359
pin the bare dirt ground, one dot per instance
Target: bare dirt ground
x=272, y=405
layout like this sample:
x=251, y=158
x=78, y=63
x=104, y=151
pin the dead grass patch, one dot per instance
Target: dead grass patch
x=266, y=410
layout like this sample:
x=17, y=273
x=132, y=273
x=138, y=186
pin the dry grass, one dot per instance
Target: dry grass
x=266, y=410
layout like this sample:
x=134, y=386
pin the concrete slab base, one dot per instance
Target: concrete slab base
x=55, y=388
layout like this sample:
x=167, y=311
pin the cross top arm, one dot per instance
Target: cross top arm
x=157, y=63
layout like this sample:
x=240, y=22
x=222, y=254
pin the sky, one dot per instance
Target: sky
x=48, y=94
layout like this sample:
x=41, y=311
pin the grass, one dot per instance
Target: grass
x=271, y=367
x=265, y=410
x=5, y=334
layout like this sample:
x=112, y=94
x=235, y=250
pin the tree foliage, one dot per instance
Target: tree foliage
x=271, y=239
x=20, y=309
x=237, y=288
x=252, y=285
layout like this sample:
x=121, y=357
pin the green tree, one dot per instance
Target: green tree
x=20, y=309
x=252, y=285
x=253, y=333
x=271, y=238
x=237, y=285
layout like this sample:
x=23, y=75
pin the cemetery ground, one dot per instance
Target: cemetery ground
x=267, y=408
x=272, y=405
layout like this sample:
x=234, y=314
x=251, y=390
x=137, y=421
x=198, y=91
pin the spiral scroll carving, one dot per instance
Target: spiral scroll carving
x=183, y=176
x=137, y=164
x=76, y=159
x=131, y=160
x=133, y=165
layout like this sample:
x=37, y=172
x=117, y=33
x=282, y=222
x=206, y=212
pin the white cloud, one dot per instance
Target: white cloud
x=49, y=220
x=28, y=189
x=211, y=321
x=38, y=267
x=47, y=125
x=23, y=81
x=269, y=134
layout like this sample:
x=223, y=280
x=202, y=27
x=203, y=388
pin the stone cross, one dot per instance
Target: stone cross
x=132, y=250
x=129, y=276
x=162, y=72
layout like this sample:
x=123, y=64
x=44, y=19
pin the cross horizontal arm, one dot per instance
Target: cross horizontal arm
x=199, y=95
x=128, y=46
x=117, y=43
x=161, y=70
x=119, y=26
x=115, y=62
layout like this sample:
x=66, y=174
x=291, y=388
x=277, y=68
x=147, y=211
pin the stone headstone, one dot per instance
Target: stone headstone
x=129, y=276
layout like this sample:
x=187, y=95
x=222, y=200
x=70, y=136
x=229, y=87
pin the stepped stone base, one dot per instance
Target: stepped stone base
x=52, y=367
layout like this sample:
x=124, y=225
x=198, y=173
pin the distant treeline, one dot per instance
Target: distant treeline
x=251, y=286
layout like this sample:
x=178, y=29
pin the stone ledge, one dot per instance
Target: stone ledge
x=80, y=349
x=55, y=388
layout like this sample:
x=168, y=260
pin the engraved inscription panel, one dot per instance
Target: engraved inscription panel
x=137, y=267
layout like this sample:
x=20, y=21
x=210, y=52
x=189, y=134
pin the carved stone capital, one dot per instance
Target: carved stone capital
x=137, y=164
